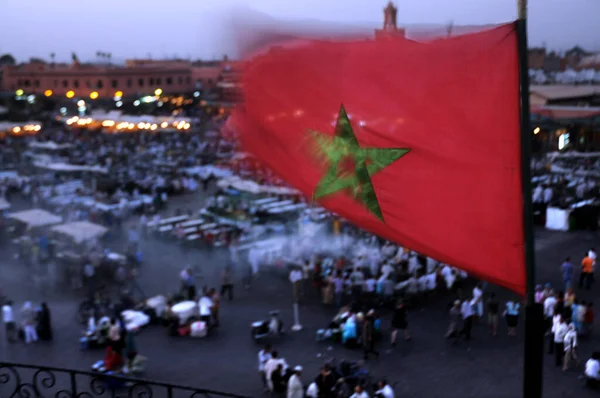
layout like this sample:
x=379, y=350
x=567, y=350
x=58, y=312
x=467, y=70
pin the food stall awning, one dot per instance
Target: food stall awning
x=254, y=187
x=566, y=112
x=81, y=231
x=36, y=218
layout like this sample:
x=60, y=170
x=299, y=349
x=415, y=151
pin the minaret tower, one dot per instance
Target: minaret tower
x=390, y=25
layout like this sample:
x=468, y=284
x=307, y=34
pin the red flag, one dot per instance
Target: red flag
x=429, y=156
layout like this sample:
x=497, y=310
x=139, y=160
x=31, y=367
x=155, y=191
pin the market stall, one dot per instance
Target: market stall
x=36, y=218
x=81, y=231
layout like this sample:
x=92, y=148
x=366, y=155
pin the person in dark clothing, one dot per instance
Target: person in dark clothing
x=278, y=380
x=493, y=307
x=368, y=336
x=227, y=283
x=44, y=323
x=399, y=322
x=326, y=382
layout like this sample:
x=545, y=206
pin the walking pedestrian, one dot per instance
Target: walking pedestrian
x=227, y=283
x=368, y=336
x=455, y=317
x=567, y=269
x=467, y=314
x=263, y=356
x=587, y=272
x=570, y=343
x=8, y=318
x=493, y=307
x=399, y=322
x=560, y=331
x=28, y=320
x=512, y=317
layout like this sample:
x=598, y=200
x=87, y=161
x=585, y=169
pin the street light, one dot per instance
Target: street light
x=70, y=94
x=536, y=130
x=48, y=93
x=19, y=92
x=119, y=94
x=81, y=103
x=158, y=92
x=94, y=95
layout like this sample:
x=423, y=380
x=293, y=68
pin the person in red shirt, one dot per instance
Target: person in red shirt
x=588, y=319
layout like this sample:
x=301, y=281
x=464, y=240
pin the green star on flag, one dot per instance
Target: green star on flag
x=343, y=150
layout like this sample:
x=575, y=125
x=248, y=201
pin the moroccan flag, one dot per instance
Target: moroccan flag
x=418, y=143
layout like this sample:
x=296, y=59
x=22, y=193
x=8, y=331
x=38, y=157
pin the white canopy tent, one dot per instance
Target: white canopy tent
x=49, y=145
x=4, y=205
x=81, y=231
x=36, y=218
x=250, y=186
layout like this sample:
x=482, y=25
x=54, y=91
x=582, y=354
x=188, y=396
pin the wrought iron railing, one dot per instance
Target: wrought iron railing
x=30, y=381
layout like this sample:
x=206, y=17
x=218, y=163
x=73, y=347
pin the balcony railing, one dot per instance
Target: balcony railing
x=29, y=381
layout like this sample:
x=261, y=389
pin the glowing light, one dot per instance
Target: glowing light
x=108, y=123
x=536, y=130
x=147, y=125
x=37, y=128
x=141, y=125
x=158, y=92
x=153, y=127
x=119, y=104
x=160, y=103
x=81, y=103
x=186, y=126
x=164, y=125
x=94, y=95
x=19, y=92
x=63, y=110
x=17, y=130
x=130, y=126
x=48, y=93
x=70, y=94
x=196, y=94
x=119, y=94
x=31, y=99
x=136, y=103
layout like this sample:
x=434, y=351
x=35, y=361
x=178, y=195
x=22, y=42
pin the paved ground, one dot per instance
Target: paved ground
x=427, y=367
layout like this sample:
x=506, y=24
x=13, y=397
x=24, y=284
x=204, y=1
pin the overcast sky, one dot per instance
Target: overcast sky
x=204, y=28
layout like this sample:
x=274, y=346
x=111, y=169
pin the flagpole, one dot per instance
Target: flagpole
x=534, y=314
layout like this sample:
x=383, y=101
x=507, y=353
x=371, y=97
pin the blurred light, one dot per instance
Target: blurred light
x=164, y=125
x=94, y=95
x=17, y=130
x=140, y=125
x=48, y=93
x=108, y=123
x=70, y=94
x=148, y=99
x=63, y=110
x=31, y=99
x=119, y=94
x=82, y=109
x=81, y=103
x=19, y=93
x=160, y=103
x=536, y=130
x=119, y=104
x=130, y=126
x=37, y=128
x=136, y=103
x=196, y=94
x=186, y=126
x=202, y=102
x=158, y=91
x=153, y=127
x=147, y=125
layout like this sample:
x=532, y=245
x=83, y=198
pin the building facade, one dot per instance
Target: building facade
x=137, y=77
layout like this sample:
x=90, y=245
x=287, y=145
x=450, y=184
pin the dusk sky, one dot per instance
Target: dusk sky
x=205, y=29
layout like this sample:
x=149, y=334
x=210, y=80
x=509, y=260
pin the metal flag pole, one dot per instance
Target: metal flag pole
x=534, y=314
